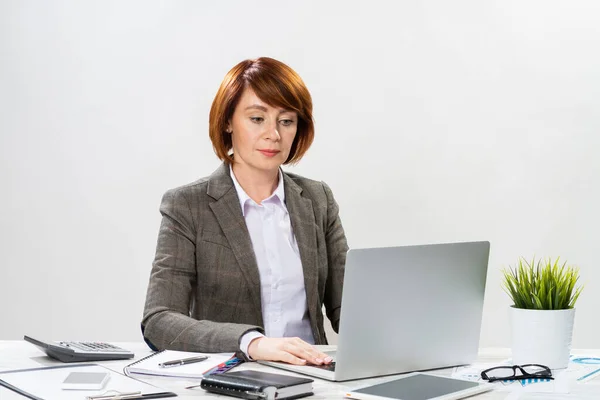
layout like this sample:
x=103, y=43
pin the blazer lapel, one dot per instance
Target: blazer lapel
x=302, y=218
x=228, y=213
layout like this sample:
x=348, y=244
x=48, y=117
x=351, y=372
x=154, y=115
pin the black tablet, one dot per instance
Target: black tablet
x=420, y=386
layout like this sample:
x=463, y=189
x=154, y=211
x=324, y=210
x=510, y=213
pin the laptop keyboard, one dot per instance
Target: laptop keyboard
x=326, y=367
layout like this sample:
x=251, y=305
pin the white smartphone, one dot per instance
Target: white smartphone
x=85, y=380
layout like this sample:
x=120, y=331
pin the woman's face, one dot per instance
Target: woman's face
x=262, y=135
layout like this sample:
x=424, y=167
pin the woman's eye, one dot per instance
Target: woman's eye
x=257, y=120
x=286, y=122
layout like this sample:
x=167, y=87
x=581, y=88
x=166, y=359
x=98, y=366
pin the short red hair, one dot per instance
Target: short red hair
x=274, y=83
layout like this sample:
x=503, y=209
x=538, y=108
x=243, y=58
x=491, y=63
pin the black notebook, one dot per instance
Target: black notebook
x=250, y=384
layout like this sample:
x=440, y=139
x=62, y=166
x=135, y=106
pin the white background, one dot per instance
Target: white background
x=436, y=121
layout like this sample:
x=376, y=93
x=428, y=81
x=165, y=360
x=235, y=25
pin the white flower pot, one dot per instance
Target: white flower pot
x=542, y=336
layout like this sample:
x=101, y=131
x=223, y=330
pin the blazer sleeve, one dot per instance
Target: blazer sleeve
x=337, y=247
x=166, y=323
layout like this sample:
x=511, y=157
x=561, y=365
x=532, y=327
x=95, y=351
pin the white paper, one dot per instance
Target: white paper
x=46, y=383
x=566, y=381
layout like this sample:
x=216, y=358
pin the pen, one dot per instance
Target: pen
x=174, y=363
x=133, y=396
x=117, y=395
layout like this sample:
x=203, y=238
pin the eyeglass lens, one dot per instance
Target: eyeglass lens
x=534, y=370
x=501, y=372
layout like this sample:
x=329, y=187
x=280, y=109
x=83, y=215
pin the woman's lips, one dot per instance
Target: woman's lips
x=269, y=153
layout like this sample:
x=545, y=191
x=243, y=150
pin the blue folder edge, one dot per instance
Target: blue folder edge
x=30, y=396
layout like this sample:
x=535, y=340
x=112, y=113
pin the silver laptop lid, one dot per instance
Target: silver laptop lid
x=411, y=308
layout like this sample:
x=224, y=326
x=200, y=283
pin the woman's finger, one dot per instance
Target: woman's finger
x=291, y=359
x=307, y=352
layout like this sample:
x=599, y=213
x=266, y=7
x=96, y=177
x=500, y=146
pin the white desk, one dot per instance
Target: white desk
x=20, y=354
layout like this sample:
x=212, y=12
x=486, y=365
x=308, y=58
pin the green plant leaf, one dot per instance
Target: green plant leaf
x=546, y=284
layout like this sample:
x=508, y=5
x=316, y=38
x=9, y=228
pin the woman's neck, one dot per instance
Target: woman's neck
x=257, y=184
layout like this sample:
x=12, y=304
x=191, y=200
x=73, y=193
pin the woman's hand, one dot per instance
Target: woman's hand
x=289, y=350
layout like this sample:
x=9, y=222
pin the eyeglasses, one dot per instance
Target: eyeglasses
x=509, y=373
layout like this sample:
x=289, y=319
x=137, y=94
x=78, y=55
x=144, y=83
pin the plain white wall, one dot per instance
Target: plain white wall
x=436, y=121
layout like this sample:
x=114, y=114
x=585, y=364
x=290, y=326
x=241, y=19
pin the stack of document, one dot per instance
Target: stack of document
x=46, y=383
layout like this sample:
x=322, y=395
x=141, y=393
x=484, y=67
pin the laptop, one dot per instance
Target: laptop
x=405, y=309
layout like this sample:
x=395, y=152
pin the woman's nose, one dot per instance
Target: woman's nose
x=272, y=132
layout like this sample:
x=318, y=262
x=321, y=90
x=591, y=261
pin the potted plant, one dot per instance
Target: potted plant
x=542, y=316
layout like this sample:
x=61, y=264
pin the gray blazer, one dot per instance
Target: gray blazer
x=204, y=290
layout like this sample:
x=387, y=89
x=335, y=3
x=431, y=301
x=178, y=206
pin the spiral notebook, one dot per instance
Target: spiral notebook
x=216, y=362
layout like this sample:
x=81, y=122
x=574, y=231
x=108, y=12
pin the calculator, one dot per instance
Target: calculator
x=81, y=351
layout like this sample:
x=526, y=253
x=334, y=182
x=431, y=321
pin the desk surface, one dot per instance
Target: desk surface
x=20, y=354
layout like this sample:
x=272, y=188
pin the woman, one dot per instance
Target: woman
x=247, y=257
